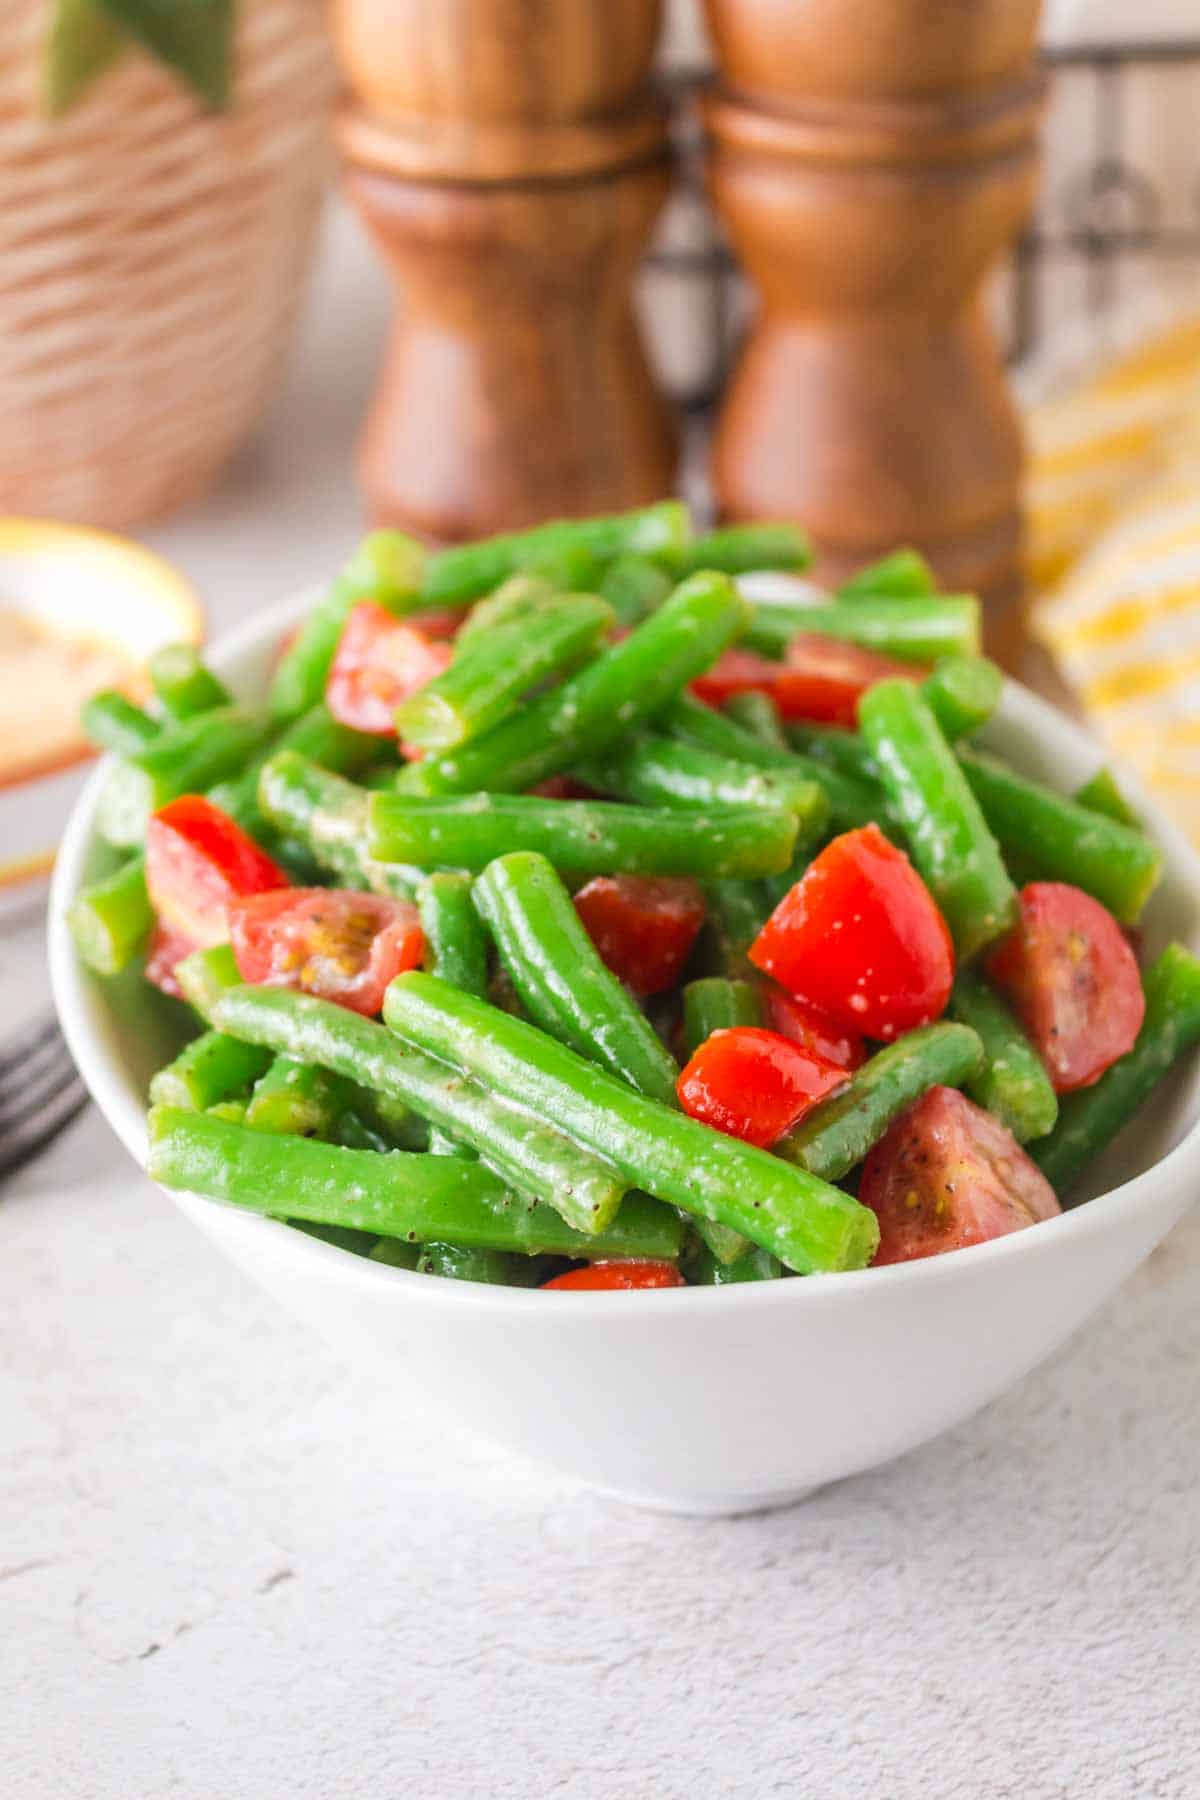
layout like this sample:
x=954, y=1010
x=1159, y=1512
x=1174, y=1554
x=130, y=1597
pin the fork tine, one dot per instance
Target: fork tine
x=39, y=1084
x=37, y=1130
x=28, y=1043
x=43, y=1056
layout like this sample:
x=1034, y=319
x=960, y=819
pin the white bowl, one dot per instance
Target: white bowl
x=702, y=1400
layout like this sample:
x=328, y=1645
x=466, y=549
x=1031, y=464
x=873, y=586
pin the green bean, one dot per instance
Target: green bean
x=717, y=1004
x=359, y=1243
x=520, y=597
x=115, y=723
x=356, y=1133
x=205, y=975
x=903, y=573
x=1101, y=794
x=387, y=568
x=947, y=833
x=498, y=1268
x=488, y=678
x=559, y=976
x=835, y=748
x=110, y=920
x=295, y=1097
x=742, y=549
x=187, y=758
x=634, y=586
x=588, y=837
x=852, y=800
x=1013, y=1083
x=737, y=912
x=455, y=576
x=1064, y=841
x=527, y=1154
x=316, y=735
x=963, y=693
x=395, y=1122
x=662, y=771
x=603, y=703
x=1090, y=1119
x=185, y=685
x=758, y=714
x=329, y=815
x=399, y=1194
x=838, y=1133
x=455, y=945
x=455, y=949
x=233, y=1111
x=397, y=1253
x=567, y=568
x=804, y=1222
x=914, y=630
x=705, y=1269
x=212, y=1068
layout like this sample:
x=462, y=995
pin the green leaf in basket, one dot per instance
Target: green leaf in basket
x=81, y=43
x=193, y=37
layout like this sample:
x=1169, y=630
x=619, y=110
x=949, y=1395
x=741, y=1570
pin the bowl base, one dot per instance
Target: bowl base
x=716, y=1506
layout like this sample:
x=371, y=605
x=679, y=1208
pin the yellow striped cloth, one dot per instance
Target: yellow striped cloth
x=1113, y=503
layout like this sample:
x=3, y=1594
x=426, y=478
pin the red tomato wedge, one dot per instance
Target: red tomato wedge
x=339, y=945
x=599, y=1275
x=378, y=663
x=167, y=948
x=860, y=938
x=644, y=926
x=821, y=678
x=947, y=1174
x=197, y=861
x=754, y=1084
x=811, y=1029
x=736, y=672
x=824, y=678
x=441, y=622
x=1071, y=977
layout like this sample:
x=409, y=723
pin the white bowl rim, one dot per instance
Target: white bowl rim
x=70, y=987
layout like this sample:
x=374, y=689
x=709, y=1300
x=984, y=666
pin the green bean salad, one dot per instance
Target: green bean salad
x=563, y=918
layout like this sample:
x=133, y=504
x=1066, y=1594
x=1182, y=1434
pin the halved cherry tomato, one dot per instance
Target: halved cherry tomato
x=947, y=1174
x=599, y=1275
x=754, y=1084
x=332, y=942
x=859, y=936
x=378, y=663
x=811, y=1028
x=441, y=622
x=644, y=926
x=823, y=678
x=736, y=672
x=198, y=860
x=166, y=949
x=1072, y=978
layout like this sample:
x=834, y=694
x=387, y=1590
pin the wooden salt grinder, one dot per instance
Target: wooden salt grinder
x=871, y=159
x=509, y=159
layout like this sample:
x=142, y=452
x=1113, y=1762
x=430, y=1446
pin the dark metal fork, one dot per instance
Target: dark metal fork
x=40, y=1092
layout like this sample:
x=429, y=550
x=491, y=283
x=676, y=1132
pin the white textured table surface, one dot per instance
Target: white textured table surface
x=232, y=1570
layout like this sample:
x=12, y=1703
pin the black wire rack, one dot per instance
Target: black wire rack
x=1107, y=216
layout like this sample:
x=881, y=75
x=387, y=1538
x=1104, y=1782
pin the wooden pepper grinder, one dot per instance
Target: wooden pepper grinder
x=509, y=158
x=871, y=159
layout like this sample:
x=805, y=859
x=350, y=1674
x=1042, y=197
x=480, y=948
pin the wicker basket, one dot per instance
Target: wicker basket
x=151, y=257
